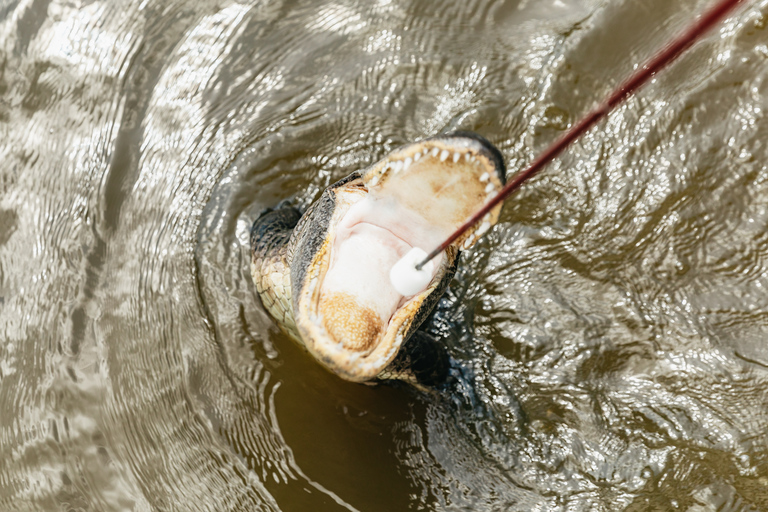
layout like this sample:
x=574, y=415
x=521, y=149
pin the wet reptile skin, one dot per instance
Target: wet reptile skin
x=270, y=264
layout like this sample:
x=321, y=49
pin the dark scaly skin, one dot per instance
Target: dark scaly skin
x=270, y=257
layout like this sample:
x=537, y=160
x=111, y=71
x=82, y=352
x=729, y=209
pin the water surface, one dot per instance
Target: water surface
x=610, y=333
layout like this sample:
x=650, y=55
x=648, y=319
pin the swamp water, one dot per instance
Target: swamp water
x=612, y=330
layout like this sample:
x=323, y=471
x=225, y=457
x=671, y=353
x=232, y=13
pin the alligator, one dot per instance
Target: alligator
x=323, y=274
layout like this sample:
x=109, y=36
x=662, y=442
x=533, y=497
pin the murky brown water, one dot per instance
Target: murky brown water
x=612, y=331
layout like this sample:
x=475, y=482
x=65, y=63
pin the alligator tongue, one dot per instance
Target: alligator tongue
x=358, y=298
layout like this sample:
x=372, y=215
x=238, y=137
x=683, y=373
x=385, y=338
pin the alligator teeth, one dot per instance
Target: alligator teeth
x=484, y=227
x=443, y=154
x=489, y=187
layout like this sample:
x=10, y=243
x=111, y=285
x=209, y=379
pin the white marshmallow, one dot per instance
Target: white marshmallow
x=405, y=278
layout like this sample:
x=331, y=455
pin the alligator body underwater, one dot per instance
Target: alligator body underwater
x=324, y=275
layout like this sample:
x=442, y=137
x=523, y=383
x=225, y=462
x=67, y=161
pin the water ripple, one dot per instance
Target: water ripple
x=607, y=336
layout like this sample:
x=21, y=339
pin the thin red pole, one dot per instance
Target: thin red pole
x=640, y=77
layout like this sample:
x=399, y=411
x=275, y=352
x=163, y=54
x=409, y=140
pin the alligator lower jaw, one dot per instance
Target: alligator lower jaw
x=357, y=300
x=350, y=317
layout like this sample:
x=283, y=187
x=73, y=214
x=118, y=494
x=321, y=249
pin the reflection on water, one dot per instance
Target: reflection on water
x=609, y=334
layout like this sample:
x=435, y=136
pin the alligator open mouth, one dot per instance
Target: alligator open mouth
x=351, y=317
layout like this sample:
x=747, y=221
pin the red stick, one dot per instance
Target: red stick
x=664, y=57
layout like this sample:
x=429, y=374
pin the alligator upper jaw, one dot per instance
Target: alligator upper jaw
x=349, y=314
